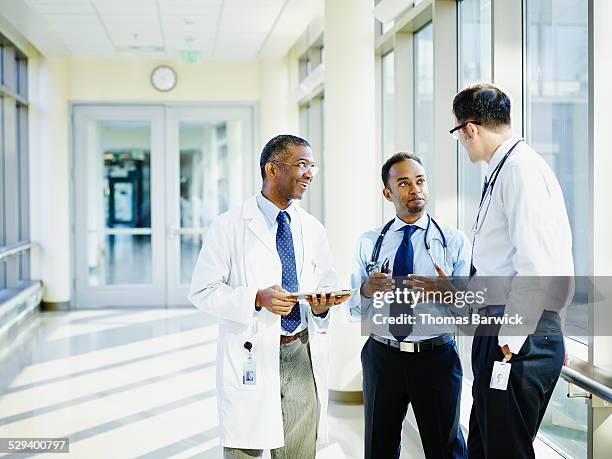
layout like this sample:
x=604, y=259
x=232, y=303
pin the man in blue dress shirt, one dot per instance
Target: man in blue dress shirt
x=410, y=364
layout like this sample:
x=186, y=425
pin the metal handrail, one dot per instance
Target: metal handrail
x=600, y=390
x=12, y=250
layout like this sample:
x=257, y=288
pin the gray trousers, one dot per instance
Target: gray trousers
x=299, y=405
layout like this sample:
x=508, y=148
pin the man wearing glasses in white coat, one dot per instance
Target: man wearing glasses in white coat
x=272, y=354
x=522, y=238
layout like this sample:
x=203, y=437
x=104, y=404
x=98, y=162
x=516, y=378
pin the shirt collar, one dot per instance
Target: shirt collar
x=269, y=209
x=500, y=153
x=399, y=224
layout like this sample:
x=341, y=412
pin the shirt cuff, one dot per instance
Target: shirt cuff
x=515, y=343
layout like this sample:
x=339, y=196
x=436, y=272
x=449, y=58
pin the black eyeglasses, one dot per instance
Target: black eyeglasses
x=454, y=130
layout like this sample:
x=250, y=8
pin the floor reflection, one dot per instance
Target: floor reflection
x=130, y=383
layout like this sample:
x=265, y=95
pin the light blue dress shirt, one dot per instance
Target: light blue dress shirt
x=454, y=261
x=270, y=212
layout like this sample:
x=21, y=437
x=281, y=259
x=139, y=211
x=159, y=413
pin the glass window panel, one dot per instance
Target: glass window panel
x=557, y=107
x=557, y=104
x=388, y=105
x=204, y=172
x=474, y=41
x=190, y=249
x=22, y=77
x=23, y=189
x=423, y=90
x=9, y=67
x=474, y=67
x=209, y=159
x=564, y=425
x=1, y=64
x=126, y=259
x=119, y=203
x=2, y=194
x=556, y=115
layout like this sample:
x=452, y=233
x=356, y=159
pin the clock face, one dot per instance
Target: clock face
x=163, y=78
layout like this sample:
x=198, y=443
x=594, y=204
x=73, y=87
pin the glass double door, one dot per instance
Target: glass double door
x=147, y=183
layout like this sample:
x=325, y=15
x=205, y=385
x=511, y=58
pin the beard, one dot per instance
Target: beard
x=415, y=210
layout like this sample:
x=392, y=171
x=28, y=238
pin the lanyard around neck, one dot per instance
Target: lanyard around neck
x=491, y=183
x=487, y=189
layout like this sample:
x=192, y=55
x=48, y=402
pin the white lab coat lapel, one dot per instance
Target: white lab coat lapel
x=261, y=261
x=257, y=224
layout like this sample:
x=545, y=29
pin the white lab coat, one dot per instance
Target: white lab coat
x=239, y=257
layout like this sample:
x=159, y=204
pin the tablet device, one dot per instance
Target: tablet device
x=341, y=292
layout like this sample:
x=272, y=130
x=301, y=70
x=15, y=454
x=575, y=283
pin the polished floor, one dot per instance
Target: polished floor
x=129, y=384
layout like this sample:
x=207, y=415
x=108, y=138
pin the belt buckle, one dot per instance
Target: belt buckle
x=407, y=346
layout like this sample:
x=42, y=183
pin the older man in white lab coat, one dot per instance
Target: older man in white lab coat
x=272, y=354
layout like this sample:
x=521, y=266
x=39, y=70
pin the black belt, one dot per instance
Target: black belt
x=415, y=346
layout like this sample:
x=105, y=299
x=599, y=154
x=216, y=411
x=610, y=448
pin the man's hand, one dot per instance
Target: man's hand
x=507, y=352
x=276, y=300
x=321, y=303
x=438, y=283
x=377, y=282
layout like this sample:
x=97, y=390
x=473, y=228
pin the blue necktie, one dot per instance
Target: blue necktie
x=284, y=246
x=403, y=265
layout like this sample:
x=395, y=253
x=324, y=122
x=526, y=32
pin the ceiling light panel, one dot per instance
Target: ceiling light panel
x=59, y=21
x=190, y=22
x=127, y=8
x=252, y=17
x=62, y=8
x=186, y=10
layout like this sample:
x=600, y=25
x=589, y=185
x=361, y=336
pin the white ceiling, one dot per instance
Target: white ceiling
x=218, y=29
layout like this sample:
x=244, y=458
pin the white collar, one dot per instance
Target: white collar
x=421, y=223
x=500, y=153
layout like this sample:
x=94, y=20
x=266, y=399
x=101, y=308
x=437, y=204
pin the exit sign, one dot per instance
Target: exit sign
x=190, y=56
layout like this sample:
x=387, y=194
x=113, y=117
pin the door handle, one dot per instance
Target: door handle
x=175, y=231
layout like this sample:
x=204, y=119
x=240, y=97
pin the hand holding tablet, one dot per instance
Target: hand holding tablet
x=337, y=293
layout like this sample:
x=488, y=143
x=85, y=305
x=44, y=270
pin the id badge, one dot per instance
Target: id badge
x=249, y=372
x=500, y=375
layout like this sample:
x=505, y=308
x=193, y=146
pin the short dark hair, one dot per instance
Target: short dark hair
x=484, y=103
x=277, y=147
x=396, y=158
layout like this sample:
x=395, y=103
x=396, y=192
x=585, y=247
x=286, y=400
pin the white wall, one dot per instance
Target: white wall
x=54, y=83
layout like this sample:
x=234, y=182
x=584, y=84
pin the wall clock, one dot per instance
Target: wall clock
x=163, y=78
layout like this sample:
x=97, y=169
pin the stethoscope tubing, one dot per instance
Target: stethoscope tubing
x=381, y=236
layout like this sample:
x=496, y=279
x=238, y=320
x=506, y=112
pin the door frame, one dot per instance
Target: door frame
x=144, y=295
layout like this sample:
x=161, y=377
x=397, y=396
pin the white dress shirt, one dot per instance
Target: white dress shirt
x=522, y=230
x=454, y=260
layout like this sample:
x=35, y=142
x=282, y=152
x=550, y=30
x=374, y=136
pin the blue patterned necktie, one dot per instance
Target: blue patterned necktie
x=284, y=246
x=402, y=266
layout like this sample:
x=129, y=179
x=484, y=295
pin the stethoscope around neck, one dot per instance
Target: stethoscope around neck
x=371, y=266
x=488, y=191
